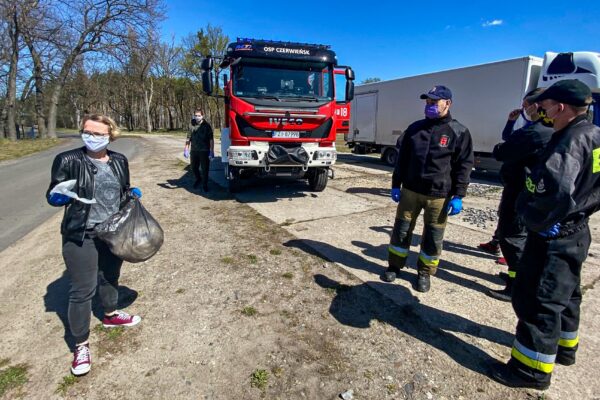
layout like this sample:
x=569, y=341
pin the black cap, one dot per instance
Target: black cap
x=569, y=91
x=437, y=93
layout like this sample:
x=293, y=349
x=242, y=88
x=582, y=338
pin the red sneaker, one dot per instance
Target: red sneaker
x=490, y=247
x=121, y=318
x=501, y=261
x=82, y=360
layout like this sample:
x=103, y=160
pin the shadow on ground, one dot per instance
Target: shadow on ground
x=56, y=300
x=358, y=305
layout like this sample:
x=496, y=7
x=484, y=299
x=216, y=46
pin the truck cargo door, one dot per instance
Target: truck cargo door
x=364, y=114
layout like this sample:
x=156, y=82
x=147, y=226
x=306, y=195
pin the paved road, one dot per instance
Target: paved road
x=23, y=185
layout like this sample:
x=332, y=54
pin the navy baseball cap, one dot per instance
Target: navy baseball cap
x=438, y=93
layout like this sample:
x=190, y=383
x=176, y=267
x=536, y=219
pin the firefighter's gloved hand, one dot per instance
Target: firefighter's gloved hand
x=58, y=199
x=455, y=206
x=136, y=192
x=211, y=155
x=396, y=194
x=186, y=152
x=552, y=232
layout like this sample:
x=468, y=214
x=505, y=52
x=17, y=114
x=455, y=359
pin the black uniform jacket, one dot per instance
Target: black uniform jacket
x=520, y=150
x=565, y=186
x=74, y=164
x=435, y=158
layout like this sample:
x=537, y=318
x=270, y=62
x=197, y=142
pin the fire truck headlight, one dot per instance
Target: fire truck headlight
x=325, y=155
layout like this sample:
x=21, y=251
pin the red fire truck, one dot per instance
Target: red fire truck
x=280, y=110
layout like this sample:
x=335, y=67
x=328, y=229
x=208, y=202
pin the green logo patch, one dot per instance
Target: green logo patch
x=530, y=185
x=596, y=161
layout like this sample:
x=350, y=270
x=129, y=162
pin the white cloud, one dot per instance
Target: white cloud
x=494, y=22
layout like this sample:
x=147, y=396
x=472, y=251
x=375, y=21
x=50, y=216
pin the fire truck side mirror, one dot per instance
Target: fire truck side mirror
x=349, y=74
x=207, y=82
x=349, y=90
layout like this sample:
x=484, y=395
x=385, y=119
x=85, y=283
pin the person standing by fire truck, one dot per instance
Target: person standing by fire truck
x=432, y=172
x=202, y=148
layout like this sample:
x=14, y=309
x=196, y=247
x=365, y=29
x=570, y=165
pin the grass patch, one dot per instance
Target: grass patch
x=252, y=258
x=340, y=145
x=65, y=384
x=227, y=260
x=391, y=388
x=12, y=377
x=4, y=362
x=288, y=275
x=277, y=372
x=249, y=311
x=259, y=379
x=109, y=333
x=275, y=252
x=180, y=291
x=10, y=149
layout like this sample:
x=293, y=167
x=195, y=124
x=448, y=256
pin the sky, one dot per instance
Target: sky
x=392, y=39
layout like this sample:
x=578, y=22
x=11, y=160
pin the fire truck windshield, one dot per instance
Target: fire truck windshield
x=283, y=81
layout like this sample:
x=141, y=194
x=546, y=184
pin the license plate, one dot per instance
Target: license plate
x=286, y=134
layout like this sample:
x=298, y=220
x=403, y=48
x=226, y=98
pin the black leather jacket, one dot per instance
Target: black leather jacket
x=74, y=164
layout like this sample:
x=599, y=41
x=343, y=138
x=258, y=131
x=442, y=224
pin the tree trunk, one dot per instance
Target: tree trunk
x=53, y=109
x=39, y=92
x=148, y=93
x=11, y=95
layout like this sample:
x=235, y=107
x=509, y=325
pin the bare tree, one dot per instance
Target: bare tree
x=96, y=26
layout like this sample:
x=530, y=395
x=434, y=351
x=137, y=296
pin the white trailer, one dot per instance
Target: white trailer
x=483, y=95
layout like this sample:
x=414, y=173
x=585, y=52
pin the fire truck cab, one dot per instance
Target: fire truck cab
x=280, y=110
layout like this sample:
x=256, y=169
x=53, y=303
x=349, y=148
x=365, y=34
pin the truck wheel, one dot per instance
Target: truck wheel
x=317, y=180
x=360, y=149
x=389, y=156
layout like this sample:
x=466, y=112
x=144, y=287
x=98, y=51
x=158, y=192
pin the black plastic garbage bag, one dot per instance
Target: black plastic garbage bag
x=280, y=155
x=131, y=234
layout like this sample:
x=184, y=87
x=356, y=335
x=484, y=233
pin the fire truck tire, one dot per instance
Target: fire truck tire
x=317, y=180
x=389, y=156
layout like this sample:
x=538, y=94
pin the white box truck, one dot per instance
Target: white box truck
x=483, y=95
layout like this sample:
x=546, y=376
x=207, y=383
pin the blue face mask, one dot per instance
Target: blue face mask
x=95, y=143
x=432, y=111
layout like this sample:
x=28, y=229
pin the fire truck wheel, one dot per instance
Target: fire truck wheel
x=389, y=156
x=317, y=180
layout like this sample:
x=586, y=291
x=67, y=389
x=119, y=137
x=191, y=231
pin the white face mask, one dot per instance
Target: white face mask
x=95, y=143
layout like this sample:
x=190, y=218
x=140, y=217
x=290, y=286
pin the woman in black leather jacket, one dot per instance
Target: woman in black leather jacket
x=101, y=175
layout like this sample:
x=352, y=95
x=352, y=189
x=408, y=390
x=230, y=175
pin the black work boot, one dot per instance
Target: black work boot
x=565, y=358
x=390, y=274
x=503, y=294
x=423, y=282
x=505, y=375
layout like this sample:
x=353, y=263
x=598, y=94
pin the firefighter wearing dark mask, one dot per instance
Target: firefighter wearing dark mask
x=435, y=158
x=562, y=191
x=201, y=140
x=520, y=150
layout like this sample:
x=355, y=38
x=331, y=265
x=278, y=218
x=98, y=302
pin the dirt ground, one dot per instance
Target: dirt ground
x=240, y=306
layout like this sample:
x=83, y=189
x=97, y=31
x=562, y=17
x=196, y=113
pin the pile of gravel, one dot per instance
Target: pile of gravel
x=484, y=190
x=480, y=218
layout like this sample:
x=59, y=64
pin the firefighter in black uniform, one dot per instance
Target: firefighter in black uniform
x=202, y=148
x=520, y=150
x=562, y=192
x=435, y=158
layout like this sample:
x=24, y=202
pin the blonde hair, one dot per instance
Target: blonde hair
x=113, y=129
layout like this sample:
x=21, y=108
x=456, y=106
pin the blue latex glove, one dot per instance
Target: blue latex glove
x=211, y=155
x=396, y=194
x=57, y=199
x=186, y=152
x=455, y=206
x=136, y=192
x=552, y=232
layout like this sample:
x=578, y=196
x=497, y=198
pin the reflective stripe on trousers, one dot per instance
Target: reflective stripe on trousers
x=539, y=361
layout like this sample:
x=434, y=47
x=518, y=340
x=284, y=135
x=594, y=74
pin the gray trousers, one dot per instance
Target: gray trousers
x=90, y=265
